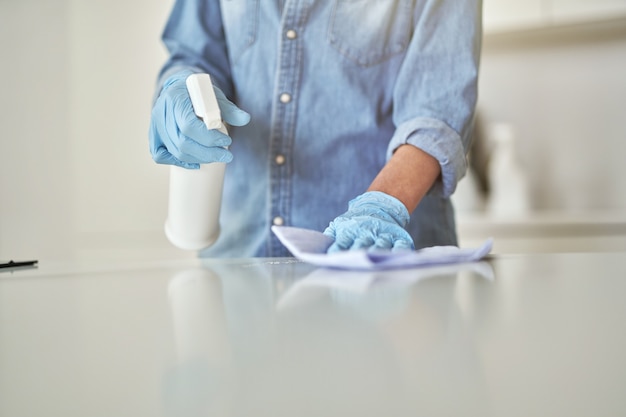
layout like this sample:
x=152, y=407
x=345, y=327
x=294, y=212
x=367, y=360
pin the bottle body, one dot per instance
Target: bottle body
x=195, y=195
x=195, y=198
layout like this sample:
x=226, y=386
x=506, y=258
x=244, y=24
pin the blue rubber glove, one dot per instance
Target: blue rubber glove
x=374, y=220
x=178, y=137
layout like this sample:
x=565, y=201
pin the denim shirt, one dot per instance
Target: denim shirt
x=333, y=88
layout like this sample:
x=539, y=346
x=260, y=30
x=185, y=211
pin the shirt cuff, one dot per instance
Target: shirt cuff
x=439, y=141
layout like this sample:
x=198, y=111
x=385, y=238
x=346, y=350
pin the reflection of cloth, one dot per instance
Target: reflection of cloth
x=310, y=246
x=373, y=292
x=413, y=319
x=333, y=88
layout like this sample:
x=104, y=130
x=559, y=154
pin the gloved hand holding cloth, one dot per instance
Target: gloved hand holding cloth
x=374, y=220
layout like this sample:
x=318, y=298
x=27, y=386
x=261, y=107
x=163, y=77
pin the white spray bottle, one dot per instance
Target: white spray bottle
x=195, y=195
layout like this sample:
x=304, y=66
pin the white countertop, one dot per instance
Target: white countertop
x=519, y=335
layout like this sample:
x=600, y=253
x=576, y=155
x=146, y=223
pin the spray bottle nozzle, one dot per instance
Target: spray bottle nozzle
x=204, y=101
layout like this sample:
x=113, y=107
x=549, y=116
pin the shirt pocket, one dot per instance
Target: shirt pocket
x=241, y=21
x=370, y=31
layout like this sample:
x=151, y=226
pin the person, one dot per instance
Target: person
x=351, y=117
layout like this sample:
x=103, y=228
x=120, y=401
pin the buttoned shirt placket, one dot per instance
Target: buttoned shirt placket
x=285, y=103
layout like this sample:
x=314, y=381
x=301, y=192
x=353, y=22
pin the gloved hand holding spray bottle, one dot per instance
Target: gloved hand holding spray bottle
x=194, y=141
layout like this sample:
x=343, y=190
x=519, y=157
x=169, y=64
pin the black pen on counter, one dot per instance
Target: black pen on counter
x=16, y=264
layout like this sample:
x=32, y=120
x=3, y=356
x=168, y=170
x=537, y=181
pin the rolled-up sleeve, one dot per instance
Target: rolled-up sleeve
x=436, y=90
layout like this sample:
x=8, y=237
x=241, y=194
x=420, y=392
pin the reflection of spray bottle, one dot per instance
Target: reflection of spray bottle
x=196, y=195
x=201, y=383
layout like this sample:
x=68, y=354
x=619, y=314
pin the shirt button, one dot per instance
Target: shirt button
x=285, y=98
x=291, y=34
x=280, y=159
x=278, y=221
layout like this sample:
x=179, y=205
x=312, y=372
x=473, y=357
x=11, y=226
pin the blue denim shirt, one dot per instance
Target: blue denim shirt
x=333, y=88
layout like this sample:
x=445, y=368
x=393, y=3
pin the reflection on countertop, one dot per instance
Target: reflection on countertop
x=516, y=335
x=333, y=343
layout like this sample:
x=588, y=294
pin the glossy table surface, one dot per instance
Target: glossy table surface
x=517, y=335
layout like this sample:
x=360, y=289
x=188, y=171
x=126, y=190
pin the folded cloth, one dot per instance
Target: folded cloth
x=310, y=246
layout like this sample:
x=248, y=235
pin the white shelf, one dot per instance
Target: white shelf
x=546, y=232
x=514, y=16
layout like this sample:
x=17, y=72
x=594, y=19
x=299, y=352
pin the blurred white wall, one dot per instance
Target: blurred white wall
x=36, y=195
x=564, y=92
x=77, y=180
x=76, y=177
